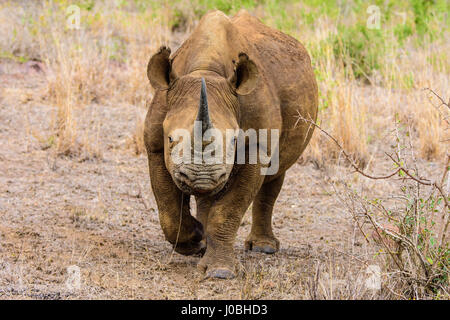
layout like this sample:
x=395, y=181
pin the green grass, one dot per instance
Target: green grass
x=360, y=49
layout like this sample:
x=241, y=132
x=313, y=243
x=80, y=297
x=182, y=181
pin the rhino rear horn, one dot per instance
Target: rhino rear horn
x=203, y=110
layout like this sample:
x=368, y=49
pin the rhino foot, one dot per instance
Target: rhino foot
x=263, y=244
x=195, y=243
x=216, y=270
x=220, y=273
x=191, y=248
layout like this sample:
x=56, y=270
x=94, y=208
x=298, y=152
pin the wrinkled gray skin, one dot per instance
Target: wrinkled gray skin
x=254, y=77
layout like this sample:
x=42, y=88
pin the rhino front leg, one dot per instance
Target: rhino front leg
x=203, y=207
x=182, y=230
x=224, y=220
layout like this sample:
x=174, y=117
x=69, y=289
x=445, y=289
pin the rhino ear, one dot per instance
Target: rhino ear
x=159, y=69
x=245, y=77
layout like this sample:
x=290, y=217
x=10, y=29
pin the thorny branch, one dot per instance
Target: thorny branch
x=400, y=168
x=429, y=272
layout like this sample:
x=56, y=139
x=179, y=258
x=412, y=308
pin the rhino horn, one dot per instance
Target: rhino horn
x=203, y=110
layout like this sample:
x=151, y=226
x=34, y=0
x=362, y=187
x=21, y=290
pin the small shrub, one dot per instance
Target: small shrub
x=411, y=226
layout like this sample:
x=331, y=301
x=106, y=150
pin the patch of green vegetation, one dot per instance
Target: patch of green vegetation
x=360, y=48
x=226, y=6
x=402, y=32
x=363, y=50
x=421, y=10
x=11, y=56
x=87, y=5
x=179, y=19
x=285, y=22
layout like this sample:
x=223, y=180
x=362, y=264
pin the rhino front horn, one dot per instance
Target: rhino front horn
x=203, y=111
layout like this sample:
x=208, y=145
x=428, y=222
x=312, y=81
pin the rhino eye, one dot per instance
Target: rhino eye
x=170, y=139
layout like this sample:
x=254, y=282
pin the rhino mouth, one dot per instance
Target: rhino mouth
x=200, y=182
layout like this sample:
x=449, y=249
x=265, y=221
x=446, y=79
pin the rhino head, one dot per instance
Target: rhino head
x=202, y=121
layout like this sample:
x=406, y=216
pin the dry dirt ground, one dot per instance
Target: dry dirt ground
x=58, y=213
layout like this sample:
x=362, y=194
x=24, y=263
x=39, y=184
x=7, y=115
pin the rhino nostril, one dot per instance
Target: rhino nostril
x=182, y=176
x=222, y=176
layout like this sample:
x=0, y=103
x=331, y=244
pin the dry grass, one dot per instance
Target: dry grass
x=102, y=62
x=359, y=114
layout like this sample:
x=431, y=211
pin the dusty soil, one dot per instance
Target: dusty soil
x=99, y=214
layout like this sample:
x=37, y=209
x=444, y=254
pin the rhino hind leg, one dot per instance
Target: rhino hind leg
x=261, y=237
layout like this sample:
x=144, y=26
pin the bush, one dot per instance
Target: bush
x=411, y=225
